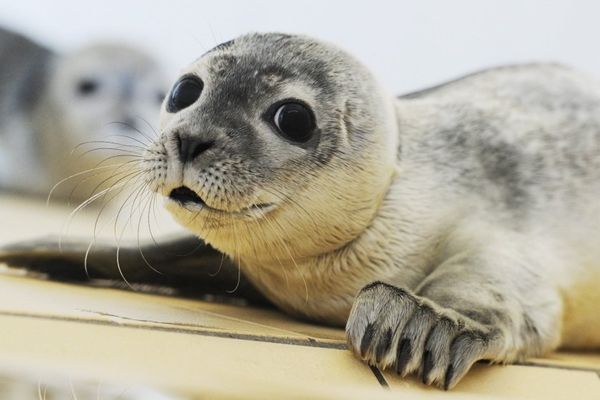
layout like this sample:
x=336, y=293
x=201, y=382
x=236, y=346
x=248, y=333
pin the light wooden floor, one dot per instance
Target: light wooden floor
x=164, y=347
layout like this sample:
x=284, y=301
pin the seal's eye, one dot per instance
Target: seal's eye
x=86, y=87
x=185, y=93
x=295, y=122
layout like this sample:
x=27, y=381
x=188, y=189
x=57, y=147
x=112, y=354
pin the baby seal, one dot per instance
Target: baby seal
x=443, y=227
x=51, y=103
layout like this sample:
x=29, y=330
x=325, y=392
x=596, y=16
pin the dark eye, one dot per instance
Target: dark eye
x=295, y=122
x=86, y=87
x=185, y=92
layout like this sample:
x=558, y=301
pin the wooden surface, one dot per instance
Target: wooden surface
x=179, y=348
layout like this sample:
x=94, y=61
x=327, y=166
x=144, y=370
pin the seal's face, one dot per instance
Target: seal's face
x=272, y=138
x=104, y=90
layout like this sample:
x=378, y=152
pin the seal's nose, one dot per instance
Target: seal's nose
x=190, y=147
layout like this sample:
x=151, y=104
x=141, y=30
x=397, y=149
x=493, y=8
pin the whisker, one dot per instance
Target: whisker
x=123, y=151
x=131, y=127
x=105, y=142
x=149, y=197
x=135, y=193
x=293, y=261
x=81, y=207
x=149, y=125
x=74, y=176
x=156, y=135
x=237, y=256
x=122, y=135
x=116, y=174
x=211, y=274
x=155, y=219
x=120, y=237
x=95, y=230
x=106, y=203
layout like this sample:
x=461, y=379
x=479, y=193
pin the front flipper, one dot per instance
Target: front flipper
x=185, y=263
x=460, y=314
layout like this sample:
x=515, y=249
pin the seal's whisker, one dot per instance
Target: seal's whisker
x=95, y=228
x=147, y=204
x=134, y=193
x=130, y=127
x=143, y=144
x=114, y=174
x=121, y=269
x=236, y=258
x=41, y=393
x=106, y=203
x=81, y=207
x=212, y=274
x=112, y=157
x=119, y=177
x=156, y=135
x=111, y=149
x=279, y=242
x=294, y=262
x=289, y=200
x=109, y=142
x=117, y=174
x=155, y=219
x=150, y=140
x=119, y=184
x=87, y=171
x=120, y=237
x=86, y=257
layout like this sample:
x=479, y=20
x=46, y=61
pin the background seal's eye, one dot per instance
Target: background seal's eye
x=160, y=96
x=185, y=93
x=295, y=122
x=86, y=87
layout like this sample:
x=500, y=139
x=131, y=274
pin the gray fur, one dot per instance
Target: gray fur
x=444, y=227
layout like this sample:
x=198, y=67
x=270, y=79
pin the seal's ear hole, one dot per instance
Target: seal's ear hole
x=87, y=87
x=294, y=121
x=185, y=92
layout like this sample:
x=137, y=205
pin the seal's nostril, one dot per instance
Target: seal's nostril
x=191, y=147
x=201, y=147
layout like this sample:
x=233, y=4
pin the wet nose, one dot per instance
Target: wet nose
x=190, y=147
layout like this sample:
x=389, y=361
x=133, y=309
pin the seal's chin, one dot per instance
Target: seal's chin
x=190, y=200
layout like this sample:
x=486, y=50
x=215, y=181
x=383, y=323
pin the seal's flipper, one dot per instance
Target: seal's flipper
x=184, y=263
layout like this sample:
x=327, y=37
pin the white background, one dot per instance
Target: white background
x=408, y=44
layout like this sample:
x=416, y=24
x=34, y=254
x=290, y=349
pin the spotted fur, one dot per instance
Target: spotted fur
x=451, y=225
x=473, y=204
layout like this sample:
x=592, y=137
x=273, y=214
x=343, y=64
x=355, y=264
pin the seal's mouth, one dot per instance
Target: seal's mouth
x=186, y=197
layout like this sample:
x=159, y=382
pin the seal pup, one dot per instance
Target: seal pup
x=443, y=227
x=50, y=103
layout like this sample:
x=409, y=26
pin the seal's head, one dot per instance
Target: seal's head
x=101, y=101
x=104, y=89
x=274, y=146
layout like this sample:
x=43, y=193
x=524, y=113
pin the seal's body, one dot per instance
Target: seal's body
x=446, y=226
x=50, y=103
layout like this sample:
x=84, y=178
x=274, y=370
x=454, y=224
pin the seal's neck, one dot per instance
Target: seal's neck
x=396, y=247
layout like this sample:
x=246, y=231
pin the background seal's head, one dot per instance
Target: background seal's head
x=274, y=145
x=101, y=101
x=104, y=89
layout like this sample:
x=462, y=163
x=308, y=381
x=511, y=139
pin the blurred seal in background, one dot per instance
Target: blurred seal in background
x=61, y=114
